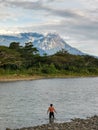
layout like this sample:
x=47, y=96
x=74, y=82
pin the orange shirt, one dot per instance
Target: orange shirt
x=51, y=109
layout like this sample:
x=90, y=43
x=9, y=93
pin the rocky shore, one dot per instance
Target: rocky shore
x=75, y=124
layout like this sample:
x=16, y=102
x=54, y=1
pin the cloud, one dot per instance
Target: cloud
x=21, y=3
x=42, y=5
x=91, y=4
x=76, y=19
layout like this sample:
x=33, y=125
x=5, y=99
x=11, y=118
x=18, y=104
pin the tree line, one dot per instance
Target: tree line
x=26, y=60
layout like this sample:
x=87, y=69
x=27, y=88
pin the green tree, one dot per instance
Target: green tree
x=14, y=45
x=49, y=69
x=29, y=53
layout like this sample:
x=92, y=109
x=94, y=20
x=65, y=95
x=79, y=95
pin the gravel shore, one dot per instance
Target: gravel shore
x=75, y=124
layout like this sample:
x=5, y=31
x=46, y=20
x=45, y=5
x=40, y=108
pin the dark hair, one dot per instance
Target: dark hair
x=51, y=105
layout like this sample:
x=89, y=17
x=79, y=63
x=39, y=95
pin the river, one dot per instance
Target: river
x=25, y=103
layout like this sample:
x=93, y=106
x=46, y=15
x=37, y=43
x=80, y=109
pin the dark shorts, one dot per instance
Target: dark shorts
x=51, y=115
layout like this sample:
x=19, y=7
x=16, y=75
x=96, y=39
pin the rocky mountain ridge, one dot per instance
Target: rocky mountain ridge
x=49, y=44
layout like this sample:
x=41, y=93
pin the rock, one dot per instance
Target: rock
x=49, y=128
x=56, y=128
x=8, y=129
x=76, y=124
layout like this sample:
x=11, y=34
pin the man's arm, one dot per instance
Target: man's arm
x=55, y=110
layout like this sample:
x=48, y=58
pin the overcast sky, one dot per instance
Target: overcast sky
x=75, y=20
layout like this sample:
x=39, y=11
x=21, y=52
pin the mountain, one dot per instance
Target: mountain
x=49, y=44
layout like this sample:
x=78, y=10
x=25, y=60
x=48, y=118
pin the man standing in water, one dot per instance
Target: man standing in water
x=51, y=111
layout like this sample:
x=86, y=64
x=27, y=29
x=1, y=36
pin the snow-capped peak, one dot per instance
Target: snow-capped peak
x=50, y=43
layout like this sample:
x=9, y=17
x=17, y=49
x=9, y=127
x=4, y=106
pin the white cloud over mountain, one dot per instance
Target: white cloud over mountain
x=76, y=19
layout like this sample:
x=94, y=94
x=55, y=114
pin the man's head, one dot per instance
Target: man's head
x=51, y=105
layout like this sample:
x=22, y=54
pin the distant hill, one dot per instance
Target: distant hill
x=49, y=44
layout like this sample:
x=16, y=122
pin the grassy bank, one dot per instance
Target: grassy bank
x=15, y=77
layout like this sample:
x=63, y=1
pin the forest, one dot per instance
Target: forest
x=26, y=60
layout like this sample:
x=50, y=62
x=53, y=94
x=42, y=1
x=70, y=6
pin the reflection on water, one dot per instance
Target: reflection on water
x=25, y=103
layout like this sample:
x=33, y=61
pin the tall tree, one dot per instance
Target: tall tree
x=14, y=45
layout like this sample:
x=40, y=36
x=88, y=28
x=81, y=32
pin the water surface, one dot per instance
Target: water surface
x=25, y=103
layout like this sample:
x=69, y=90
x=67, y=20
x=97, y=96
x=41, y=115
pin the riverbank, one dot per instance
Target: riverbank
x=35, y=77
x=11, y=78
x=75, y=124
x=19, y=78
